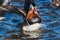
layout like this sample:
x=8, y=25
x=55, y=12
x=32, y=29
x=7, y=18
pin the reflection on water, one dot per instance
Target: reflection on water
x=50, y=17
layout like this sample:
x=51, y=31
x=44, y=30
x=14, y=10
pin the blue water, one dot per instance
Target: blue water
x=49, y=15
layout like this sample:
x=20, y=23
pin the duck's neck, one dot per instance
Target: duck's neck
x=27, y=5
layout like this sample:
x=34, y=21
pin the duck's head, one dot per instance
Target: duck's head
x=56, y=2
x=33, y=16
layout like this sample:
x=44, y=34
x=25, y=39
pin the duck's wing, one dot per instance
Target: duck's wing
x=22, y=11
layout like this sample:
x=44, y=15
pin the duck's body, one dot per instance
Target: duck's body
x=32, y=19
x=34, y=26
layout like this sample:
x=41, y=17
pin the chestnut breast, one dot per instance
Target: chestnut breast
x=33, y=17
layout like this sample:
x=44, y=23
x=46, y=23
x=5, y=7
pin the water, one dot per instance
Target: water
x=50, y=17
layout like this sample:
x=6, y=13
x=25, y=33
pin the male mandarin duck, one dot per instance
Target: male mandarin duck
x=33, y=29
x=33, y=19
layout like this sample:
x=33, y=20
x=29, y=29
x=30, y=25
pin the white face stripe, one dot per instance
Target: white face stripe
x=6, y=2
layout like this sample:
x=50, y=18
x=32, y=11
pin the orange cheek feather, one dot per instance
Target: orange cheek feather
x=32, y=15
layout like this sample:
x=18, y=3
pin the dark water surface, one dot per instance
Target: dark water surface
x=50, y=17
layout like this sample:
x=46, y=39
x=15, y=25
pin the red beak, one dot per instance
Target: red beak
x=35, y=11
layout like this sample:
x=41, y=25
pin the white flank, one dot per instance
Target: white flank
x=57, y=4
x=32, y=27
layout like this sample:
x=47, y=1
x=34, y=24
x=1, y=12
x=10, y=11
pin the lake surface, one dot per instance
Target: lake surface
x=10, y=28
